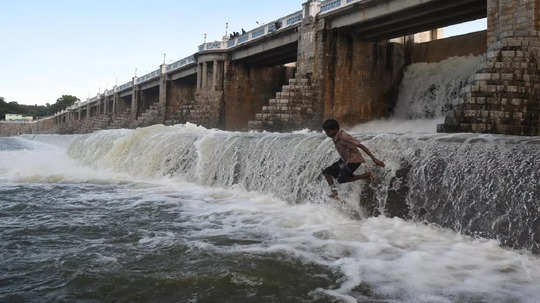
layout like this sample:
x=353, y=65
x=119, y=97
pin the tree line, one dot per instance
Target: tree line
x=36, y=111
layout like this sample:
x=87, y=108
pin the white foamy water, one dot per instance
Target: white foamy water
x=235, y=185
x=264, y=193
x=408, y=261
x=429, y=90
x=42, y=162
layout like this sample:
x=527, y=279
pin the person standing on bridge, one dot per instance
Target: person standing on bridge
x=351, y=158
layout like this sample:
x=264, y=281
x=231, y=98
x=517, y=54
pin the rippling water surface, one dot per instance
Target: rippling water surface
x=74, y=232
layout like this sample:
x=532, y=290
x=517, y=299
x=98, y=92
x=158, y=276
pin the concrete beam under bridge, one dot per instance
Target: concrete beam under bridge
x=184, y=73
x=149, y=84
x=290, y=38
x=126, y=93
x=277, y=56
x=378, y=20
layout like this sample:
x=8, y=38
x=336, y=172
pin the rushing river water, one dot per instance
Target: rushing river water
x=184, y=214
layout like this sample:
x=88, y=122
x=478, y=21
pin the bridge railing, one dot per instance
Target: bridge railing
x=274, y=26
x=212, y=46
x=148, y=77
x=125, y=86
x=180, y=63
x=282, y=23
x=332, y=5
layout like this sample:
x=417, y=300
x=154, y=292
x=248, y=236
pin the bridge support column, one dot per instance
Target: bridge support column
x=162, y=106
x=214, y=74
x=115, y=104
x=353, y=80
x=135, y=96
x=204, y=75
x=206, y=108
x=307, y=39
x=199, y=76
x=504, y=97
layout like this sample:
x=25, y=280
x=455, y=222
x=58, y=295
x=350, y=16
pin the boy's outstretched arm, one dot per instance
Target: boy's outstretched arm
x=375, y=160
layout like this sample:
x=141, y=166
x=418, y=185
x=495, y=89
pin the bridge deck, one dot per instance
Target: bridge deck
x=377, y=20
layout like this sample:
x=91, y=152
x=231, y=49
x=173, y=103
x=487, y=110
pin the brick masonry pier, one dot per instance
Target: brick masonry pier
x=504, y=97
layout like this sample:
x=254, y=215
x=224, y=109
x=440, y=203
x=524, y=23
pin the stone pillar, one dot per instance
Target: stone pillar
x=199, y=76
x=105, y=105
x=306, y=40
x=434, y=34
x=88, y=111
x=504, y=95
x=512, y=19
x=134, y=103
x=214, y=74
x=134, y=99
x=115, y=104
x=162, y=106
x=311, y=8
x=221, y=75
x=204, y=75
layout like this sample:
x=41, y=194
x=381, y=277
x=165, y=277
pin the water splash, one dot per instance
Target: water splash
x=479, y=184
x=430, y=90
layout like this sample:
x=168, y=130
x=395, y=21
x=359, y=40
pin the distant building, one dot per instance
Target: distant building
x=18, y=118
x=14, y=117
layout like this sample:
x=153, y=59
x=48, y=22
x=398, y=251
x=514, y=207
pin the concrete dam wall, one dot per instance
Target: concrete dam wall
x=248, y=89
x=339, y=59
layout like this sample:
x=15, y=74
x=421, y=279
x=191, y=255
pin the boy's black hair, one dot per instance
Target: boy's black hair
x=330, y=124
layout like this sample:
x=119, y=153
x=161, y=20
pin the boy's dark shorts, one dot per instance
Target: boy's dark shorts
x=341, y=171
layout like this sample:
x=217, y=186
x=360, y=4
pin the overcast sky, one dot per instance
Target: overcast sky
x=51, y=47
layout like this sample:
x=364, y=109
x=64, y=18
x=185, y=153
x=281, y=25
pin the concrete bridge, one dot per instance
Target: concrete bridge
x=335, y=58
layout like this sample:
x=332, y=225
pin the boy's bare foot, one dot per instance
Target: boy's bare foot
x=371, y=178
x=334, y=195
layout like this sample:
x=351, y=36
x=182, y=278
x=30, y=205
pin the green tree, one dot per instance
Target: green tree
x=36, y=111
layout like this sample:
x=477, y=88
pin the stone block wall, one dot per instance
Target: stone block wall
x=123, y=104
x=512, y=19
x=206, y=109
x=438, y=50
x=247, y=88
x=47, y=126
x=147, y=98
x=358, y=79
x=504, y=97
x=179, y=92
x=291, y=109
x=121, y=119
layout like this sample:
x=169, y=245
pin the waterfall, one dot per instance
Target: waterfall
x=429, y=90
x=479, y=184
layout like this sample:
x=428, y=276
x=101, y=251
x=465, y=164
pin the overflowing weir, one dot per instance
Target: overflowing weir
x=429, y=90
x=482, y=185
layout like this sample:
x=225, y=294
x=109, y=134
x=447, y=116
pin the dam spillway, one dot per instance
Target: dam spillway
x=340, y=59
x=222, y=211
